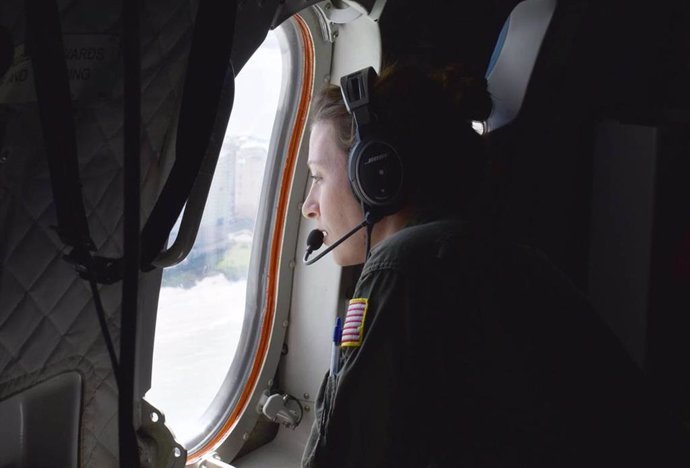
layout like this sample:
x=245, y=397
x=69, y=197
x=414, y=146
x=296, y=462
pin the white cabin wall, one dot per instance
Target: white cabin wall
x=357, y=45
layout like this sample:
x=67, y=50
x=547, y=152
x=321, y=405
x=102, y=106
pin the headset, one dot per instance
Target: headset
x=374, y=166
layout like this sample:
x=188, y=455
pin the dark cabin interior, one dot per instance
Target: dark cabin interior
x=593, y=169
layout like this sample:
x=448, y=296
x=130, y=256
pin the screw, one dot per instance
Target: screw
x=306, y=396
x=245, y=436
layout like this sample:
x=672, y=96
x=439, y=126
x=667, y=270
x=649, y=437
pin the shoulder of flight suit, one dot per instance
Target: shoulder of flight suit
x=415, y=245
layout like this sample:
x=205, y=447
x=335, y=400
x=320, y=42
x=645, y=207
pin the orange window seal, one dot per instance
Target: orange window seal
x=276, y=243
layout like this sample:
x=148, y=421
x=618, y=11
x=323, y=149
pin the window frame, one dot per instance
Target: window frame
x=231, y=413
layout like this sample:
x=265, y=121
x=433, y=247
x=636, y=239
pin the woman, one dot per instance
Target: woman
x=460, y=348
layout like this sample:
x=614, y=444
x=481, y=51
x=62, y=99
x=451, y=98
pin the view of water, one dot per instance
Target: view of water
x=195, y=348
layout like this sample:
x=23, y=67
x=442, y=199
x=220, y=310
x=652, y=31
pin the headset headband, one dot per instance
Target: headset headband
x=355, y=88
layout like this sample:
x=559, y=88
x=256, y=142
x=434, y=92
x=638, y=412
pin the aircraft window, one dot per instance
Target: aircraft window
x=201, y=307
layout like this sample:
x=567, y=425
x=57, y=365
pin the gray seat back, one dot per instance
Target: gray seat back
x=40, y=425
x=513, y=59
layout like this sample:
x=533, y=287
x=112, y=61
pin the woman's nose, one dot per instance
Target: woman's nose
x=310, y=207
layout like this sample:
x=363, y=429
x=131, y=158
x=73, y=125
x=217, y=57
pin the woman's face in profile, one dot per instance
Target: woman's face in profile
x=330, y=201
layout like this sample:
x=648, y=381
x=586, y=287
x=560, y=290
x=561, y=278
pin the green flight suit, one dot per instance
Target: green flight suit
x=476, y=352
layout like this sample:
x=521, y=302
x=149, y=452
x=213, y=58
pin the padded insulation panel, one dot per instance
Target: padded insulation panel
x=48, y=323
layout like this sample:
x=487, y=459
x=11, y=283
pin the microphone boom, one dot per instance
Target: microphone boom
x=315, y=240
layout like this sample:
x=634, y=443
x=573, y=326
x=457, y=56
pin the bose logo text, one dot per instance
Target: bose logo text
x=373, y=159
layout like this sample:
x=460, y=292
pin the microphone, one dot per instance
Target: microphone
x=315, y=238
x=314, y=242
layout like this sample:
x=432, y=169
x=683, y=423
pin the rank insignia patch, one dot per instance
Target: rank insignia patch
x=353, y=329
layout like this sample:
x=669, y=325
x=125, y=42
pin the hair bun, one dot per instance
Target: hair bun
x=468, y=90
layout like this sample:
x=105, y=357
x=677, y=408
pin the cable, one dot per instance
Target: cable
x=131, y=55
x=370, y=228
x=370, y=218
x=100, y=312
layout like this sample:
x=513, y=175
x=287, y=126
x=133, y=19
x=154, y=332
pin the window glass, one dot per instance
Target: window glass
x=202, y=299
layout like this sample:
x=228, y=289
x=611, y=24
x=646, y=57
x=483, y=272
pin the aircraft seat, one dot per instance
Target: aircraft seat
x=579, y=137
x=40, y=425
x=586, y=136
x=551, y=183
x=540, y=131
x=514, y=57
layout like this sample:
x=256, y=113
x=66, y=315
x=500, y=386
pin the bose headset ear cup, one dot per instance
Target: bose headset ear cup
x=375, y=168
x=376, y=173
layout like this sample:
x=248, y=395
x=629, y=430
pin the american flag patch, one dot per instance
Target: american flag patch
x=354, y=322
